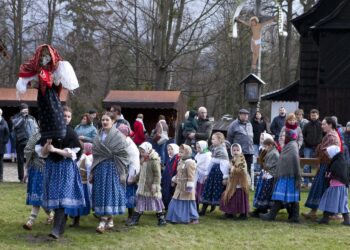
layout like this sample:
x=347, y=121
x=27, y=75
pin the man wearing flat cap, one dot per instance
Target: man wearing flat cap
x=241, y=131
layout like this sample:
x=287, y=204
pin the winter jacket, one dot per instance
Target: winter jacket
x=258, y=128
x=4, y=135
x=139, y=133
x=88, y=131
x=277, y=124
x=184, y=180
x=312, y=133
x=241, y=133
x=205, y=128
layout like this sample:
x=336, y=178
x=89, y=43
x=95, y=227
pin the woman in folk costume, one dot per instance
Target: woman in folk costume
x=264, y=189
x=319, y=184
x=47, y=72
x=34, y=169
x=235, y=199
x=62, y=183
x=108, y=173
x=182, y=208
x=84, y=165
x=133, y=169
x=218, y=173
x=168, y=173
x=335, y=198
x=287, y=188
x=149, y=195
x=202, y=158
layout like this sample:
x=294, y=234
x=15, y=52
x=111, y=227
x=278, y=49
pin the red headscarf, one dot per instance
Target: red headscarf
x=33, y=67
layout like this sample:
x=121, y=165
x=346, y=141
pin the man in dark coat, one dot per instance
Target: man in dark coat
x=4, y=137
x=205, y=126
x=278, y=122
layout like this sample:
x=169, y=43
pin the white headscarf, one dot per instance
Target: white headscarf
x=333, y=150
x=236, y=145
x=146, y=146
x=175, y=148
x=203, y=145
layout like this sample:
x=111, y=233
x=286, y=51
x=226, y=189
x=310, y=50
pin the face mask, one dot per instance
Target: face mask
x=45, y=60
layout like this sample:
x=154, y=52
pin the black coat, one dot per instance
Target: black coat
x=339, y=169
x=4, y=135
x=258, y=128
x=312, y=134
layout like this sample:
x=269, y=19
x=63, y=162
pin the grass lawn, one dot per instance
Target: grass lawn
x=213, y=232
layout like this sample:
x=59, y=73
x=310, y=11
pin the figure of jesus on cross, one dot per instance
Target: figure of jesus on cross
x=255, y=43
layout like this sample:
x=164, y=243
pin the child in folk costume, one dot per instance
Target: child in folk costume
x=268, y=159
x=169, y=172
x=84, y=165
x=134, y=169
x=149, y=196
x=47, y=72
x=235, y=199
x=182, y=208
x=287, y=188
x=34, y=169
x=108, y=173
x=62, y=182
x=218, y=172
x=335, y=199
x=203, y=158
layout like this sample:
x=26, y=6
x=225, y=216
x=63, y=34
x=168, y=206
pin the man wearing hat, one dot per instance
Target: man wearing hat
x=24, y=126
x=241, y=131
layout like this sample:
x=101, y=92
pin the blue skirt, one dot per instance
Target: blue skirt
x=263, y=194
x=286, y=190
x=108, y=194
x=213, y=186
x=74, y=212
x=182, y=211
x=335, y=200
x=131, y=195
x=35, y=186
x=319, y=186
x=62, y=185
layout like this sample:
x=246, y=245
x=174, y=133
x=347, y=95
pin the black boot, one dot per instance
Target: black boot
x=257, y=212
x=75, y=222
x=346, y=221
x=134, y=219
x=212, y=208
x=325, y=218
x=273, y=212
x=289, y=208
x=204, y=209
x=295, y=213
x=161, y=219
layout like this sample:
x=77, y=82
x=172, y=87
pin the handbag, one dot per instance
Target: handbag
x=163, y=137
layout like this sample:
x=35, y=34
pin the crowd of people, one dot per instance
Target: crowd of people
x=107, y=167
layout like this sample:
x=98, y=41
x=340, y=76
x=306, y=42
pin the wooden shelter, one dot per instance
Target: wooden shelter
x=324, y=61
x=9, y=102
x=151, y=104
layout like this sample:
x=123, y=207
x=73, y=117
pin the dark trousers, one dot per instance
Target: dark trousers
x=1, y=167
x=20, y=160
x=249, y=159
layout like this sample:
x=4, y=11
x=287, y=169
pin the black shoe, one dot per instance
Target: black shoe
x=255, y=213
x=204, y=209
x=227, y=216
x=270, y=216
x=294, y=213
x=75, y=222
x=242, y=217
x=212, y=208
x=134, y=221
x=346, y=221
x=53, y=236
x=161, y=219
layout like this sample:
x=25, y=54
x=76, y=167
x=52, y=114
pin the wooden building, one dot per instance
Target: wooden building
x=324, y=61
x=151, y=104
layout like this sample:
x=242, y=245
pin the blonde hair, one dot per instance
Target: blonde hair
x=290, y=116
x=220, y=136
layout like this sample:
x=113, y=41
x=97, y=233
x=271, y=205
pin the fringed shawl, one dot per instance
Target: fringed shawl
x=288, y=164
x=113, y=147
x=331, y=138
x=33, y=159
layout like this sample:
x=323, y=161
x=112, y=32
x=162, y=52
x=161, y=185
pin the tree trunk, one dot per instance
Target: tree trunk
x=51, y=4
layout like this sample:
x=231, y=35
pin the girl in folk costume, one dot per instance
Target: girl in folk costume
x=62, y=183
x=235, y=199
x=84, y=165
x=287, y=188
x=133, y=169
x=218, y=172
x=168, y=173
x=182, y=208
x=149, y=196
x=108, y=173
x=319, y=184
x=335, y=198
x=203, y=158
x=47, y=72
x=268, y=159
x=34, y=169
